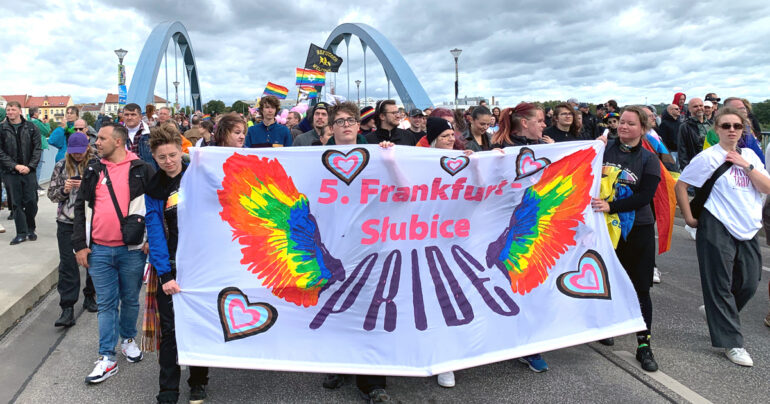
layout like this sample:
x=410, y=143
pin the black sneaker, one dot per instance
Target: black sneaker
x=645, y=357
x=31, y=236
x=18, y=239
x=89, y=303
x=333, y=381
x=379, y=396
x=607, y=341
x=10, y=217
x=197, y=394
x=67, y=318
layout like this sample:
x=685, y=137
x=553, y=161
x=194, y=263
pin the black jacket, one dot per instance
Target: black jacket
x=589, y=125
x=668, y=130
x=398, y=136
x=690, y=142
x=19, y=147
x=139, y=175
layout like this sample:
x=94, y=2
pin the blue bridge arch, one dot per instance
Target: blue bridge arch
x=142, y=87
x=407, y=86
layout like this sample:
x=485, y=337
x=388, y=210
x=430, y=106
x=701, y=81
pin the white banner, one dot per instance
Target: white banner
x=403, y=261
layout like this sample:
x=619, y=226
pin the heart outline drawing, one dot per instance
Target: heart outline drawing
x=263, y=315
x=590, y=263
x=454, y=165
x=527, y=164
x=335, y=161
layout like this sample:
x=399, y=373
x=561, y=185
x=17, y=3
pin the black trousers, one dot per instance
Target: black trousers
x=730, y=270
x=170, y=372
x=69, y=271
x=637, y=255
x=367, y=383
x=24, y=196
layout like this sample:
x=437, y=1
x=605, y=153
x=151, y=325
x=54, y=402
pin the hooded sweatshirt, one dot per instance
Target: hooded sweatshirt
x=106, y=226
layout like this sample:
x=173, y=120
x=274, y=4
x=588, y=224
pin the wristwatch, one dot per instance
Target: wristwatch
x=749, y=168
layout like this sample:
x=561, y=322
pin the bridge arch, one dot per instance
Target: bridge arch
x=407, y=86
x=142, y=87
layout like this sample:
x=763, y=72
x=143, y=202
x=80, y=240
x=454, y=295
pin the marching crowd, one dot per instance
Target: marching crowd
x=116, y=187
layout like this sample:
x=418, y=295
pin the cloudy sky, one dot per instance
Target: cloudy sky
x=592, y=50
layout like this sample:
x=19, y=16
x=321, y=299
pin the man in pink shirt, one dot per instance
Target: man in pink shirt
x=116, y=268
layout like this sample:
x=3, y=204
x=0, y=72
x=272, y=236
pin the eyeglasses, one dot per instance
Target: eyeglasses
x=727, y=126
x=345, y=122
x=80, y=129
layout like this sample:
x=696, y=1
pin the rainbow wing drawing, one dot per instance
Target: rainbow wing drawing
x=272, y=220
x=542, y=226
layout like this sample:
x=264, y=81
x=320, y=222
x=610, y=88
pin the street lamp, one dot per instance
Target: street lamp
x=176, y=95
x=358, y=89
x=456, y=53
x=121, y=53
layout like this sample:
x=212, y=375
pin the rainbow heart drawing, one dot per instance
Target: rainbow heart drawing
x=241, y=318
x=346, y=166
x=590, y=281
x=527, y=164
x=454, y=165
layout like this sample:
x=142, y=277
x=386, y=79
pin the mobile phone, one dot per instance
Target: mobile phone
x=76, y=178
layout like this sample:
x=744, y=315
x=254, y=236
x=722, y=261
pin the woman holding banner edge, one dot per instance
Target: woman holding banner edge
x=640, y=171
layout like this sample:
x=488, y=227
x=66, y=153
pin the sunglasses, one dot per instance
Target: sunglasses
x=79, y=129
x=727, y=126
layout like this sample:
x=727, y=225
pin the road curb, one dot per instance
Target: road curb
x=21, y=307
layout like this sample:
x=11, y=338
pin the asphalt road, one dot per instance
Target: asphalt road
x=44, y=364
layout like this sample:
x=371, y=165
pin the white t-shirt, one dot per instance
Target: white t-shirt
x=733, y=201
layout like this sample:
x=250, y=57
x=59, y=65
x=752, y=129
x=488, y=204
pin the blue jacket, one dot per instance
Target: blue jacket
x=58, y=139
x=156, y=236
x=274, y=134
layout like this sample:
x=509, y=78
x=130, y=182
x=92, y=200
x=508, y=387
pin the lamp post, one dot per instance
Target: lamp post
x=456, y=53
x=121, y=53
x=176, y=95
x=358, y=89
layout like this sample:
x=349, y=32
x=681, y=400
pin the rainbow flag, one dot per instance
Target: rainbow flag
x=206, y=117
x=279, y=92
x=664, y=201
x=310, y=91
x=309, y=77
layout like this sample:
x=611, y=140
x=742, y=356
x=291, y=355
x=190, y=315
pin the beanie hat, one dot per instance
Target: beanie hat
x=321, y=105
x=367, y=113
x=435, y=126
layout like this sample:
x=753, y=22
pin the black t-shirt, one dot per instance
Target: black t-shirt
x=635, y=163
x=398, y=136
x=558, y=135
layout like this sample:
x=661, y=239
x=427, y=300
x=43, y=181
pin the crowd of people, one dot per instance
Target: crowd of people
x=116, y=187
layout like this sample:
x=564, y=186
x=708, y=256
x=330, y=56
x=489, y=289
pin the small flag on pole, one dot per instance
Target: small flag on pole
x=279, y=92
x=310, y=91
x=308, y=77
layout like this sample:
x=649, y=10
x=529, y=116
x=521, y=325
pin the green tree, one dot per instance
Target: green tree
x=214, y=107
x=761, y=111
x=53, y=124
x=240, y=106
x=89, y=118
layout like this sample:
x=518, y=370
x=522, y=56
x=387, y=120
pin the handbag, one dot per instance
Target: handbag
x=702, y=193
x=132, y=226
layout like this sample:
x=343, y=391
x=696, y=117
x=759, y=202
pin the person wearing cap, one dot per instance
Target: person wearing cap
x=573, y=102
x=708, y=112
x=320, y=119
x=476, y=136
x=589, y=121
x=367, y=121
x=386, y=119
x=417, y=121
x=63, y=190
x=714, y=100
x=20, y=151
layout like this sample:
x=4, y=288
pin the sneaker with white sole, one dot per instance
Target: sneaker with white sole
x=2, y=229
x=104, y=369
x=691, y=230
x=739, y=356
x=655, y=275
x=702, y=310
x=535, y=362
x=446, y=379
x=131, y=351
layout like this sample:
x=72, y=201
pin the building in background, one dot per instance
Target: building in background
x=110, y=105
x=2, y=102
x=92, y=108
x=51, y=106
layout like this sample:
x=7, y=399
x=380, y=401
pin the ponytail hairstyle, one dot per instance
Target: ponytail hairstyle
x=510, y=121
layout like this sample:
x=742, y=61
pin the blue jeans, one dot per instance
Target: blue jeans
x=117, y=275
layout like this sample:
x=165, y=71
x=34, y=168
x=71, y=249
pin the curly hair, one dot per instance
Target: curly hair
x=164, y=134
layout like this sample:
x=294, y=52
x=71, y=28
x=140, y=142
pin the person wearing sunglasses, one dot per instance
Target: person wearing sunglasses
x=726, y=240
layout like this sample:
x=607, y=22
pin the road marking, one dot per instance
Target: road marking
x=764, y=268
x=665, y=380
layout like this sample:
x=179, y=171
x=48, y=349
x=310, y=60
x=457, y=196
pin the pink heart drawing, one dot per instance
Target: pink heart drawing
x=527, y=164
x=454, y=165
x=590, y=281
x=253, y=314
x=240, y=318
x=587, y=279
x=346, y=166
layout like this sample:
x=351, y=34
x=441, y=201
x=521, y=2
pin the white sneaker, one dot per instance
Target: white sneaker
x=702, y=310
x=739, y=356
x=2, y=229
x=131, y=351
x=446, y=379
x=690, y=230
x=656, y=275
x=104, y=369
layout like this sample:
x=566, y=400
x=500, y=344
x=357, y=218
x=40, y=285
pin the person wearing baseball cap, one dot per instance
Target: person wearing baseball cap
x=63, y=189
x=417, y=121
x=367, y=125
x=319, y=117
